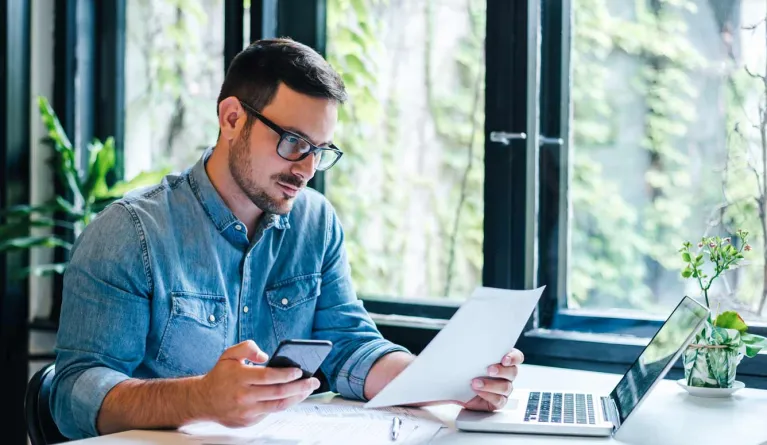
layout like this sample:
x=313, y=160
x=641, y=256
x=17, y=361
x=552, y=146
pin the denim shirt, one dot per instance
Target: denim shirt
x=165, y=279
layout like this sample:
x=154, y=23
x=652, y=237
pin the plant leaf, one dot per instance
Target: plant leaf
x=687, y=272
x=731, y=320
x=28, y=242
x=67, y=207
x=686, y=257
x=43, y=270
x=102, y=162
x=143, y=179
x=26, y=210
x=67, y=171
x=21, y=228
x=100, y=204
x=52, y=123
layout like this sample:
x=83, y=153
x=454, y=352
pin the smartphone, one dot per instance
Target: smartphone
x=306, y=355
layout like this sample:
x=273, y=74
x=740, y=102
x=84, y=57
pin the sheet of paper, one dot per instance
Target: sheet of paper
x=483, y=329
x=314, y=424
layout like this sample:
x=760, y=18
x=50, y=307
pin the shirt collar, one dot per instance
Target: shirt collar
x=215, y=206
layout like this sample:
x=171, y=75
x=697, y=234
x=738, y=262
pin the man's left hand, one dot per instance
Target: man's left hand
x=494, y=390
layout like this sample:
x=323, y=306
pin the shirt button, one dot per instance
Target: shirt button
x=212, y=318
x=238, y=227
x=245, y=309
x=284, y=301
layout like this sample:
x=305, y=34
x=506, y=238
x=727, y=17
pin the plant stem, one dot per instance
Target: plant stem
x=718, y=271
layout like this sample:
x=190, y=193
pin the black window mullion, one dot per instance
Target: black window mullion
x=304, y=21
x=64, y=64
x=64, y=104
x=85, y=78
x=14, y=190
x=263, y=19
x=109, y=68
x=234, y=12
x=554, y=143
x=511, y=170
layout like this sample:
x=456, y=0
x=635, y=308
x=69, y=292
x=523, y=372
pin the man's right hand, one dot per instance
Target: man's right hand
x=236, y=394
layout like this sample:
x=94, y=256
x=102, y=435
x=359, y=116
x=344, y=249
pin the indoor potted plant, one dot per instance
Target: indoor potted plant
x=83, y=194
x=711, y=360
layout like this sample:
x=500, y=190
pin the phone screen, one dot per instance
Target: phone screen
x=307, y=357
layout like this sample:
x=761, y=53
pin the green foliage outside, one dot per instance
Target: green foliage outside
x=619, y=250
x=369, y=132
x=623, y=251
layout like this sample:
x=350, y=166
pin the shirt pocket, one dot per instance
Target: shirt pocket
x=195, y=336
x=292, y=303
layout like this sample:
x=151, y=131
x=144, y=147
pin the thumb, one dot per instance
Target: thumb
x=246, y=350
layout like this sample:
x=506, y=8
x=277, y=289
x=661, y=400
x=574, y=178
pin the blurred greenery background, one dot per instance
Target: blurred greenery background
x=667, y=137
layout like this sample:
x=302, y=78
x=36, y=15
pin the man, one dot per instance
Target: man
x=170, y=290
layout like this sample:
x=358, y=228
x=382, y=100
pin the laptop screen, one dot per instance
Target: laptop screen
x=652, y=364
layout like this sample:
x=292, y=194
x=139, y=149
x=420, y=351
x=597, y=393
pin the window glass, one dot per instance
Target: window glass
x=409, y=187
x=666, y=148
x=173, y=73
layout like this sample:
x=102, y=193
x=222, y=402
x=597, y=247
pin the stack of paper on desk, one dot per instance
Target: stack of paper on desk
x=322, y=423
x=481, y=332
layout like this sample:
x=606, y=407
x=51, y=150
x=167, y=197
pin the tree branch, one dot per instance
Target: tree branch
x=467, y=170
x=755, y=25
x=752, y=74
x=750, y=162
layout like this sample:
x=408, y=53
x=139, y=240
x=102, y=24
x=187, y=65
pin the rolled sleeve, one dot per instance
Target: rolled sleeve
x=88, y=393
x=350, y=382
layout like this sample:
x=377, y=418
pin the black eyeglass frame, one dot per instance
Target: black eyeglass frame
x=284, y=133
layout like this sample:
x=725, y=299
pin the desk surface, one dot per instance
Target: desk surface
x=668, y=416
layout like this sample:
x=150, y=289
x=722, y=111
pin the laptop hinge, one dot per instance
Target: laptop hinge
x=610, y=412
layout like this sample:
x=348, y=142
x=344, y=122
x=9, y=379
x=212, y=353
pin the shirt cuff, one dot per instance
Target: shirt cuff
x=350, y=382
x=88, y=394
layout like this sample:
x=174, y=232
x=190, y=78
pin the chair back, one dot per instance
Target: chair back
x=41, y=428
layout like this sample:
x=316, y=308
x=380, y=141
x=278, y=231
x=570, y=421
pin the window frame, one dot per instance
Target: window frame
x=15, y=151
x=559, y=332
x=555, y=335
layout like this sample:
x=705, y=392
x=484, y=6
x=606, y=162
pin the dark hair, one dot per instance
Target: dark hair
x=257, y=71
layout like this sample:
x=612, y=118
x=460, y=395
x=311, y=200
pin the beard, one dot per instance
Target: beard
x=241, y=169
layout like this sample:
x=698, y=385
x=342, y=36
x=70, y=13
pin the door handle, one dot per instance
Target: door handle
x=504, y=137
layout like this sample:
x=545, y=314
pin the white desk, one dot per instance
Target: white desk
x=668, y=416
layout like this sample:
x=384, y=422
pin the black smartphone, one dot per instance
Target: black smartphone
x=307, y=355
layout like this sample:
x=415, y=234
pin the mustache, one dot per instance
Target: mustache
x=290, y=180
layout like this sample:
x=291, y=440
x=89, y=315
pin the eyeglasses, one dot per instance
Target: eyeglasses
x=294, y=148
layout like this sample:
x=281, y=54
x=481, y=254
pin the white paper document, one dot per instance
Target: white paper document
x=314, y=424
x=481, y=332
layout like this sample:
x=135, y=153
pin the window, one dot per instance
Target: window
x=665, y=148
x=174, y=70
x=409, y=188
x=629, y=117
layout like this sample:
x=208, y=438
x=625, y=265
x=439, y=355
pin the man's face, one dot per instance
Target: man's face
x=271, y=182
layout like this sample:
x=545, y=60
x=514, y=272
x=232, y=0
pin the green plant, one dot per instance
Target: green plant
x=718, y=348
x=721, y=253
x=84, y=194
x=620, y=241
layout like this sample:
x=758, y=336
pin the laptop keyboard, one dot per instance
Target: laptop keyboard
x=560, y=407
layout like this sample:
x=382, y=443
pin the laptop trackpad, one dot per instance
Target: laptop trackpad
x=512, y=404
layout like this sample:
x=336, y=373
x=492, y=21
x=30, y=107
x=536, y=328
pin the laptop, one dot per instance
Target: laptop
x=572, y=413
